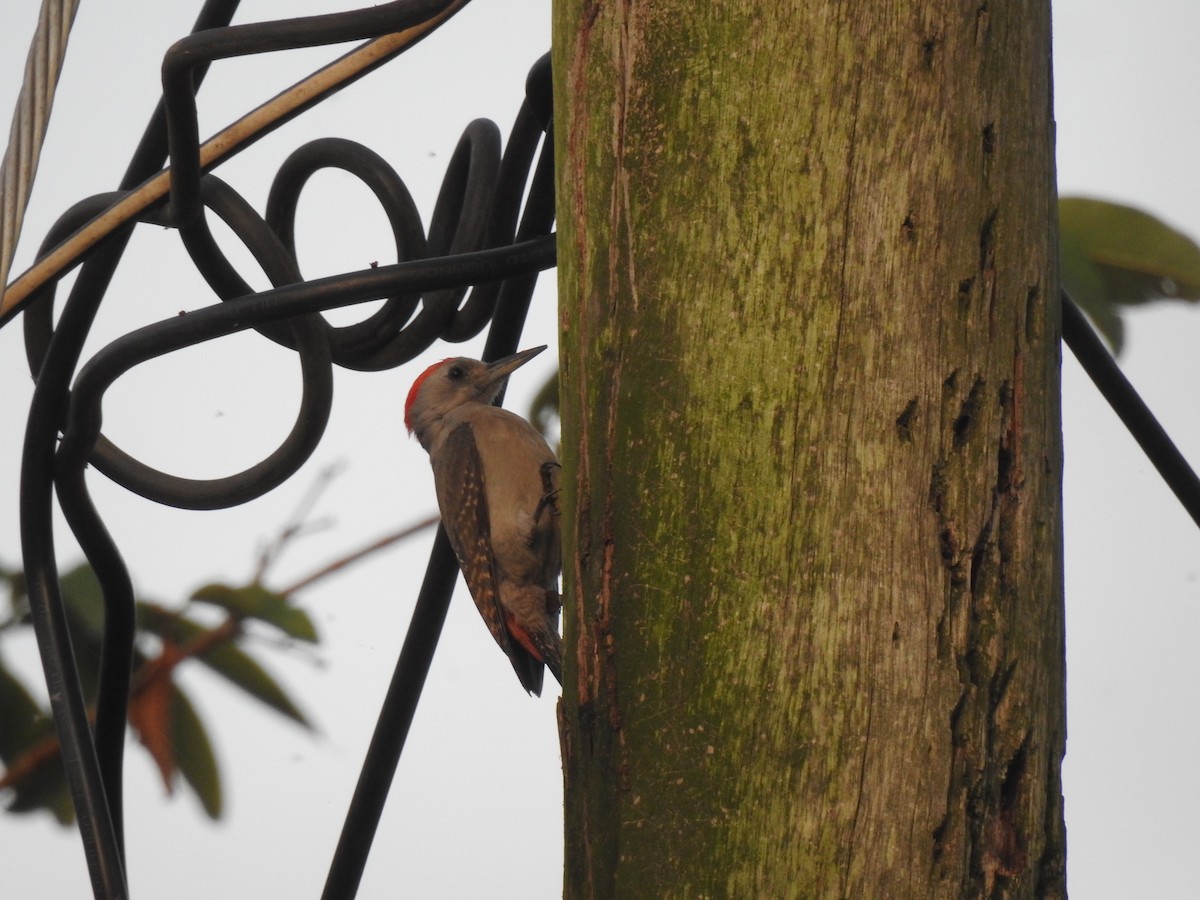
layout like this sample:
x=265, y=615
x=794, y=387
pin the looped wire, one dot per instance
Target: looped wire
x=397, y=204
x=489, y=237
x=470, y=214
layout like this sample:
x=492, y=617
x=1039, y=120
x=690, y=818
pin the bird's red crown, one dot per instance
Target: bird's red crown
x=415, y=389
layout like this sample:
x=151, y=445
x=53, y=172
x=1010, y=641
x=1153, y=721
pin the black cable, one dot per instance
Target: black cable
x=512, y=180
x=477, y=208
x=200, y=49
x=102, y=843
x=82, y=430
x=351, y=343
x=391, y=728
x=93, y=766
x=1130, y=408
x=481, y=239
x=416, y=655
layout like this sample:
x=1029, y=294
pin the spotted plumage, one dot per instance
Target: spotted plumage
x=497, y=488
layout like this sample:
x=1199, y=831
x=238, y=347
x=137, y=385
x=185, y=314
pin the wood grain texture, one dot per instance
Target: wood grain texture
x=811, y=449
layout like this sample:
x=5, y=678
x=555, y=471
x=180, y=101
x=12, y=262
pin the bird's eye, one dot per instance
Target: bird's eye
x=456, y=373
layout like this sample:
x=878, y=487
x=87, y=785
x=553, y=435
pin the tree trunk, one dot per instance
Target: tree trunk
x=812, y=453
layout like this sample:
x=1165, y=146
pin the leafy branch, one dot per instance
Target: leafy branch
x=160, y=712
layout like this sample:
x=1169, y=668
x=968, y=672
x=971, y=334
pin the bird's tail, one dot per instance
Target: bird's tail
x=552, y=655
x=543, y=644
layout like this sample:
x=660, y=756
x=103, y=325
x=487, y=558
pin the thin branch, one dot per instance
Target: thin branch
x=375, y=546
x=295, y=525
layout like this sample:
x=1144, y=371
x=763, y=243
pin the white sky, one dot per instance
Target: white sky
x=1127, y=130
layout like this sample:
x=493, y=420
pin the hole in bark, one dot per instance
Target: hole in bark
x=964, y=292
x=905, y=420
x=989, y=138
x=1005, y=453
x=1032, y=295
x=929, y=49
x=948, y=545
x=987, y=237
x=1014, y=776
x=979, y=555
x=937, y=487
x=965, y=423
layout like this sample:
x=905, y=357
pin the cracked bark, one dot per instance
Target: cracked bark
x=811, y=450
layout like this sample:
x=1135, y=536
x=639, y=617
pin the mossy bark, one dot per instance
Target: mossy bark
x=811, y=444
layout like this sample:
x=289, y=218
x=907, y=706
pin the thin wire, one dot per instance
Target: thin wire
x=47, y=51
x=237, y=137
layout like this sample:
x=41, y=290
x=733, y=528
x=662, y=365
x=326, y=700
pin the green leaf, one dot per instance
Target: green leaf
x=544, y=409
x=1113, y=254
x=84, y=600
x=243, y=670
x=194, y=753
x=22, y=719
x=226, y=659
x=15, y=579
x=256, y=602
x=18, y=598
x=45, y=788
x=23, y=725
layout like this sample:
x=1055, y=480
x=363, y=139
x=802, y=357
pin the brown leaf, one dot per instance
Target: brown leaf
x=150, y=711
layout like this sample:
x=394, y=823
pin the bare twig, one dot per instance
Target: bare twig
x=337, y=565
x=296, y=524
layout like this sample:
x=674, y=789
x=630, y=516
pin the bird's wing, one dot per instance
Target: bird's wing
x=467, y=520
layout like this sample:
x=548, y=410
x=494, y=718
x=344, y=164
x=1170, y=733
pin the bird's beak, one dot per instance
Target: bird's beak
x=502, y=368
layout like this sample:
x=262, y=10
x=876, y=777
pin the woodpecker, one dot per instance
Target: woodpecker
x=497, y=488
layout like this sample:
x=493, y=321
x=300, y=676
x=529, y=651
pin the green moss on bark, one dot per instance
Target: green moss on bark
x=817, y=654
